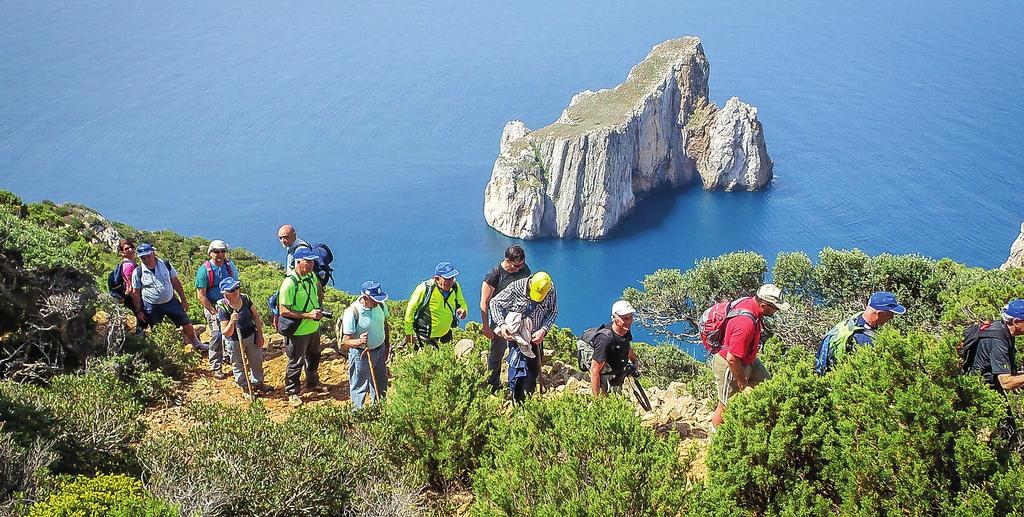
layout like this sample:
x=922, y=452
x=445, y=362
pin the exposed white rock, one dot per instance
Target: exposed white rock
x=1016, y=251
x=578, y=177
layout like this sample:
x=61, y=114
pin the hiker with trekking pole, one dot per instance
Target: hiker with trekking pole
x=607, y=353
x=366, y=334
x=243, y=334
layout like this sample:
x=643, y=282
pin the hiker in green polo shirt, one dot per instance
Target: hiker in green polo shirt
x=434, y=306
x=299, y=303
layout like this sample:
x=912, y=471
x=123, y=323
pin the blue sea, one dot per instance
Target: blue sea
x=373, y=126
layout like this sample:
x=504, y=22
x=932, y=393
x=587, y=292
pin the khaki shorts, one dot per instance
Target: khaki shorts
x=726, y=384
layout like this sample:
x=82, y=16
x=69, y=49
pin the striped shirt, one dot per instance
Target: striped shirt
x=516, y=298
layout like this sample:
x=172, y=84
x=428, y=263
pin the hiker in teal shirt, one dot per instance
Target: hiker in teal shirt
x=208, y=278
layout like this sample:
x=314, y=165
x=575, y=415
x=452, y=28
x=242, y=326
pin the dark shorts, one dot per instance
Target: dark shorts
x=172, y=309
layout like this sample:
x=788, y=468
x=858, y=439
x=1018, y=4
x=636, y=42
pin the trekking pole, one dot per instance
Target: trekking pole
x=373, y=376
x=245, y=356
x=245, y=366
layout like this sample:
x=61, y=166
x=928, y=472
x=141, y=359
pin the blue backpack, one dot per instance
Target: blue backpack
x=115, y=282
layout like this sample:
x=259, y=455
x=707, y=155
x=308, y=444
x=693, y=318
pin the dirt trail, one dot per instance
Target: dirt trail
x=200, y=385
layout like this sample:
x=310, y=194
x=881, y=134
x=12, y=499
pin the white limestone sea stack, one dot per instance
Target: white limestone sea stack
x=580, y=176
x=1016, y=252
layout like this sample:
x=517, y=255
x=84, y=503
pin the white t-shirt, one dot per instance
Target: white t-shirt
x=155, y=283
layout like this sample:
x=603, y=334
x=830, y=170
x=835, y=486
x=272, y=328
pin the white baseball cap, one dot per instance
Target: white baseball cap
x=773, y=295
x=217, y=245
x=622, y=308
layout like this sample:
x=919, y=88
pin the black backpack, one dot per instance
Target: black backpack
x=585, y=347
x=115, y=282
x=968, y=347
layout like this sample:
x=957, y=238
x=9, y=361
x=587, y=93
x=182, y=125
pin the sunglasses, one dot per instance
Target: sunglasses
x=219, y=252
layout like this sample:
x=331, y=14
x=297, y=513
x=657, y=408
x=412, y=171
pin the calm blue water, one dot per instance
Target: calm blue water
x=373, y=126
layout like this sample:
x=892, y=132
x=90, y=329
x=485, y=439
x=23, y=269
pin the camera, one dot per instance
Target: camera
x=327, y=314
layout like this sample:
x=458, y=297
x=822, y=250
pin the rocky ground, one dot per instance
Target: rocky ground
x=672, y=409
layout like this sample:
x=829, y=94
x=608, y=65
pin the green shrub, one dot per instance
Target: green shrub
x=148, y=386
x=573, y=455
x=766, y=457
x=794, y=274
x=438, y=413
x=843, y=275
x=670, y=298
x=92, y=420
x=101, y=496
x=893, y=429
x=237, y=461
x=162, y=349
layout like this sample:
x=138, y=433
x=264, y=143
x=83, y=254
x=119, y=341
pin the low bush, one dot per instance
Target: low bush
x=148, y=386
x=101, y=496
x=91, y=419
x=574, y=455
x=893, y=429
x=438, y=413
x=21, y=469
x=237, y=461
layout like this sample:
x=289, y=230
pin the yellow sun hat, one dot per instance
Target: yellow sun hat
x=540, y=284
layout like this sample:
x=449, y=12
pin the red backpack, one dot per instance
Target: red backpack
x=712, y=323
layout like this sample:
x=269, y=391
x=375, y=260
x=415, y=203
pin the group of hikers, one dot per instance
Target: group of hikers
x=518, y=308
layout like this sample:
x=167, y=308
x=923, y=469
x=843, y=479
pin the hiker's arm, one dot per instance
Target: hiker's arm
x=387, y=333
x=632, y=355
x=486, y=292
x=497, y=310
x=288, y=313
x=410, y=309
x=460, y=301
x=1011, y=382
x=595, y=376
x=227, y=327
x=258, y=323
x=137, y=298
x=181, y=292
x=201, y=295
x=549, y=317
x=737, y=370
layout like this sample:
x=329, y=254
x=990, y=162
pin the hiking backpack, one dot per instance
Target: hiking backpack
x=968, y=346
x=115, y=282
x=837, y=342
x=422, y=322
x=209, y=272
x=712, y=323
x=585, y=348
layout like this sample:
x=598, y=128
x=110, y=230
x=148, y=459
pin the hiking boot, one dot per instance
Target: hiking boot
x=319, y=388
x=261, y=387
x=294, y=400
x=219, y=374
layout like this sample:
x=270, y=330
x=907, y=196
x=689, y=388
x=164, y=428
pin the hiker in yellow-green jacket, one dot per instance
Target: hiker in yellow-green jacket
x=435, y=307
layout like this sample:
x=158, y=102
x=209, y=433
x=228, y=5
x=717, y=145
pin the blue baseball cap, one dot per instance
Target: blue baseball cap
x=144, y=249
x=373, y=290
x=885, y=301
x=1015, y=309
x=445, y=270
x=305, y=254
x=229, y=284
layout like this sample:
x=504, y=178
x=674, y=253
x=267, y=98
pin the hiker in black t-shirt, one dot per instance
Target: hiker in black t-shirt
x=512, y=268
x=612, y=351
x=995, y=358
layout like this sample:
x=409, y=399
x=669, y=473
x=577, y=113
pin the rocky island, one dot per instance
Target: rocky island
x=1016, y=252
x=578, y=177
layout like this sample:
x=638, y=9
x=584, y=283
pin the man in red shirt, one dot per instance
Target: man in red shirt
x=736, y=366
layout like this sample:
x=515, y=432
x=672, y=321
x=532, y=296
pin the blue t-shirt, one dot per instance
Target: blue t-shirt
x=219, y=273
